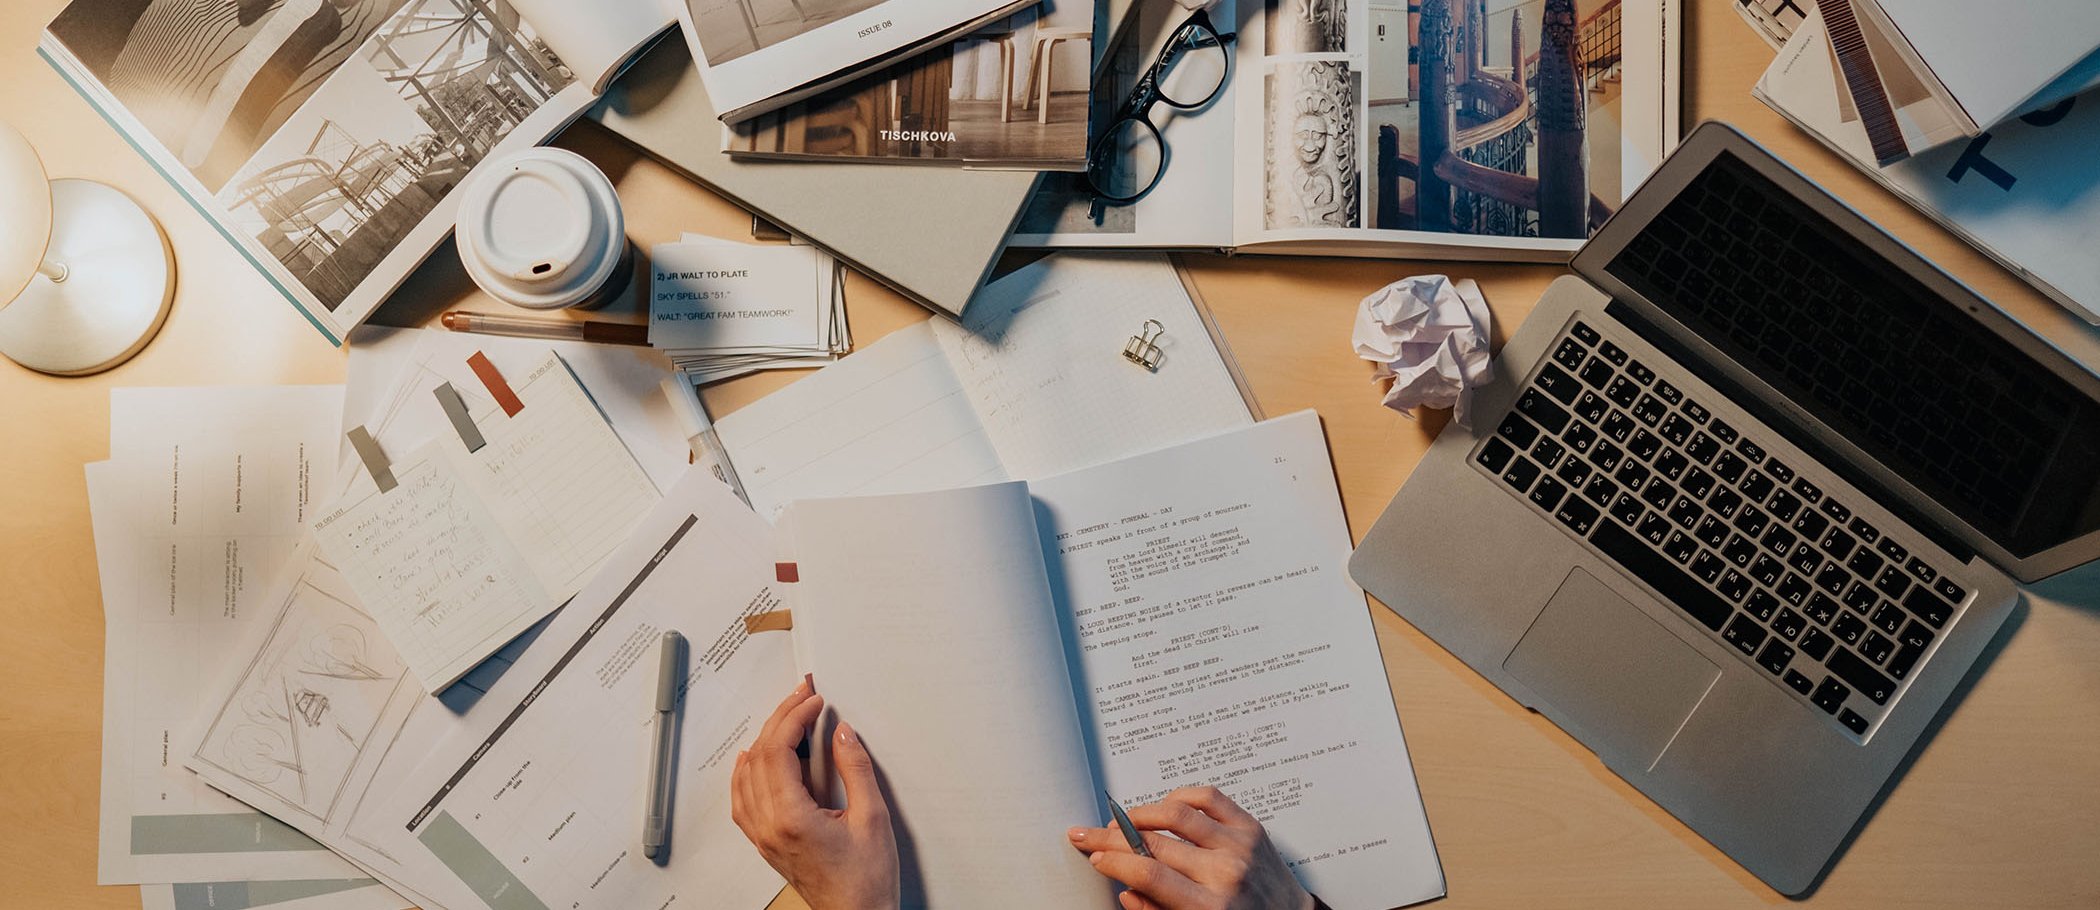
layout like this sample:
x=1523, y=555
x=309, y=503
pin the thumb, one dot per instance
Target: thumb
x=856, y=770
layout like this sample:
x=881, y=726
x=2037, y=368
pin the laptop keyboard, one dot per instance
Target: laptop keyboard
x=1836, y=610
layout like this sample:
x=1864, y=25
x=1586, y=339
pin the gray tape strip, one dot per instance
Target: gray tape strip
x=374, y=459
x=456, y=411
x=231, y=832
x=247, y=895
x=457, y=848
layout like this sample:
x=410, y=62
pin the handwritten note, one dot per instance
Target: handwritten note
x=472, y=548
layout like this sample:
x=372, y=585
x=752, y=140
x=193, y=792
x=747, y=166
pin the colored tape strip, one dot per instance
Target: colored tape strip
x=786, y=573
x=375, y=460
x=498, y=389
x=774, y=621
x=456, y=411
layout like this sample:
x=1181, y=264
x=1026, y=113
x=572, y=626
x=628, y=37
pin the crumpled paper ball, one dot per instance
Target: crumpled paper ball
x=1429, y=334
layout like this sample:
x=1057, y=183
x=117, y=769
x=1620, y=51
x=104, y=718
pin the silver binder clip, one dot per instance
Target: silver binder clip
x=1143, y=348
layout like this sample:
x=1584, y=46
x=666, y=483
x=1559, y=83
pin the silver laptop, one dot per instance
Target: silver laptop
x=1746, y=500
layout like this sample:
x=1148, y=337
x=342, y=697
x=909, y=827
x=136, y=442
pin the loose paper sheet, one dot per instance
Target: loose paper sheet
x=196, y=513
x=545, y=808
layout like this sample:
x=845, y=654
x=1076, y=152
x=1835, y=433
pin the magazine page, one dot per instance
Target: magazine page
x=1192, y=205
x=750, y=51
x=1536, y=119
x=599, y=39
x=1013, y=94
x=324, y=140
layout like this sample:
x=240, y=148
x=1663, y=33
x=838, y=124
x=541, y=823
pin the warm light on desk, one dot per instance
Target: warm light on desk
x=85, y=274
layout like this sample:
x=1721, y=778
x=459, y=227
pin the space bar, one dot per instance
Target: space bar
x=1633, y=554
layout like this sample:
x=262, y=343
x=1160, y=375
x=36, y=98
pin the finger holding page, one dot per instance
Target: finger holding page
x=1186, y=822
x=1173, y=852
x=1150, y=878
x=856, y=768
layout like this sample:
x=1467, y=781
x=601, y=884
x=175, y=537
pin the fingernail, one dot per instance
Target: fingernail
x=1095, y=858
x=1077, y=834
x=848, y=736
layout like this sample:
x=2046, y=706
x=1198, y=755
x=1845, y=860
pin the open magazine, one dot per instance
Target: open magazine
x=760, y=55
x=1013, y=94
x=324, y=139
x=1540, y=117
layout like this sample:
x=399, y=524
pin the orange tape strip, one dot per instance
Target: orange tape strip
x=775, y=621
x=498, y=389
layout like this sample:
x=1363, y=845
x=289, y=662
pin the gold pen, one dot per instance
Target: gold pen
x=541, y=327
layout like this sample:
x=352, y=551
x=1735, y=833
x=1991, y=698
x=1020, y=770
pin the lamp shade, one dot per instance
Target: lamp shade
x=25, y=213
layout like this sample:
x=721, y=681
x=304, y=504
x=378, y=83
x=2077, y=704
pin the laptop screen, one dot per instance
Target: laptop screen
x=1906, y=375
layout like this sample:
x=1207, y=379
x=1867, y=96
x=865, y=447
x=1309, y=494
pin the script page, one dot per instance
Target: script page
x=1222, y=643
x=927, y=623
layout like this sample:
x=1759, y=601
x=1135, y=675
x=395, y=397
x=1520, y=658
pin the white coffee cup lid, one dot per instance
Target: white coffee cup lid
x=541, y=228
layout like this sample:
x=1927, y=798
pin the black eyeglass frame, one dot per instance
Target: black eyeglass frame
x=1138, y=107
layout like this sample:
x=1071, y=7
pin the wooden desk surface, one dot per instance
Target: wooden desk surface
x=1998, y=808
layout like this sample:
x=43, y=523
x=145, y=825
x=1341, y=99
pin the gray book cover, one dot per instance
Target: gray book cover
x=931, y=235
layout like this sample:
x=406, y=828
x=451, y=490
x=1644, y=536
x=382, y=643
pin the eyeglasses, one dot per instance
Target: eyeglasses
x=1127, y=160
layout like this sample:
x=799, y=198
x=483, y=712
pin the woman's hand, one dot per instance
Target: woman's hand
x=1218, y=859
x=836, y=859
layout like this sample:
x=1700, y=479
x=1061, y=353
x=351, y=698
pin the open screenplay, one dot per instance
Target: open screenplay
x=1177, y=618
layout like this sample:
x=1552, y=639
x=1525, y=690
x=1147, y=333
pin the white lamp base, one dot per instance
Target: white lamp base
x=120, y=278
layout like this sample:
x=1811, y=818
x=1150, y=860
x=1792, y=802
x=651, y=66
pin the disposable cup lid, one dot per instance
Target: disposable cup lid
x=541, y=228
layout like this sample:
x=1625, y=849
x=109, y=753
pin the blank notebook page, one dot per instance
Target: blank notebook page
x=1040, y=355
x=928, y=623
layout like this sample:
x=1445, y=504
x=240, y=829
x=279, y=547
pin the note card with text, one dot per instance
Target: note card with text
x=719, y=308
x=472, y=547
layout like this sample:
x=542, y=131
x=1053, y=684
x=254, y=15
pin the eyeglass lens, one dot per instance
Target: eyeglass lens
x=1195, y=68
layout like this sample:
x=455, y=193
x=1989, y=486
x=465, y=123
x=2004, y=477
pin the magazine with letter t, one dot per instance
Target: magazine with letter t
x=325, y=139
x=761, y=55
x=1460, y=129
x=1013, y=94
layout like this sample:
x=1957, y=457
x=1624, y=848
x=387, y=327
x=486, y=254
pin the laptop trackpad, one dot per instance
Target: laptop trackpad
x=1609, y=674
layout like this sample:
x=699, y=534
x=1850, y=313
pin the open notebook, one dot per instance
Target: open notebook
x=1176, y=618
x=1033, y=382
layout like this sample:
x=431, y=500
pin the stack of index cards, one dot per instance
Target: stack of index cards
x=719, y=308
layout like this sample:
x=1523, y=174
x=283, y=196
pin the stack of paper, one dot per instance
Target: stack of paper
x=197, y=513
x=719, y=308
x=232, y=641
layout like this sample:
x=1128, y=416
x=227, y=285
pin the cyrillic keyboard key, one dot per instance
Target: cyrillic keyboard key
x=1541, y=409
x=1744, y=633
x=1817, y=643
x=1830, y=695
x=1861, y=675
x=1578, y=515
x=1853, y=721
x=1517, y=430
x=1928, y=606
x=1495, y=455
x=1775, y=657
